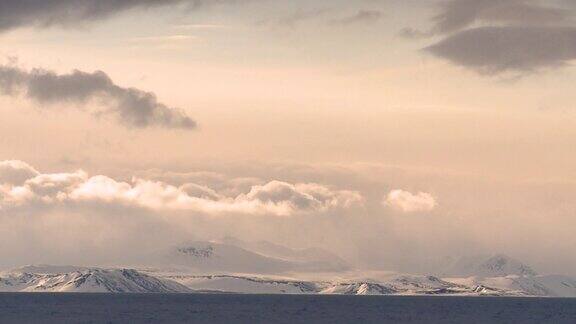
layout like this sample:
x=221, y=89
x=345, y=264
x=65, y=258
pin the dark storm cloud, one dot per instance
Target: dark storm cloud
x=42, y=13
x=132, y=107
x=456, y=15
x=499, y=36
x=506, y=49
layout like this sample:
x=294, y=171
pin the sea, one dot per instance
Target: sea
x=235, y=308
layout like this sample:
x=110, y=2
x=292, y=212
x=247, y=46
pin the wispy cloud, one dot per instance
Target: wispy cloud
x=296, y=18
x=164, y=39
x=456, y=15
x=361, y=17
x=201, y=27
x=45, y=13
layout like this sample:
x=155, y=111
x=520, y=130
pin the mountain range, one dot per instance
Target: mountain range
x=234, y=266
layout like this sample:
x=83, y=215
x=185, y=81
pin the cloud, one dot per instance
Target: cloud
x=15, y=172
x=408, y=202
x=99, y=218
x=295, y=18
x=199, y=191
x=274, y=198
x=92, y=231
x=163, y=39
x=495, y=36
x=131, y=107
x=201, y=26
x=412, y=33
x=457, y=15
x=492, y=50
x=47, y=13
x=362, y=16
x=15, y=14
x=302, y=196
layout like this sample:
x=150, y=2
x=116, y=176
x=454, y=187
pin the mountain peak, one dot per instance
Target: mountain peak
x=87, y=280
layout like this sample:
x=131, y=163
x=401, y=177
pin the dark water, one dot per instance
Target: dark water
x=103, y=308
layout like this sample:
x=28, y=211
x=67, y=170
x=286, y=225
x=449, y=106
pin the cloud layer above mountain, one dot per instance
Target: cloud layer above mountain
x=74, y=217
x=131, y=107
x=22, y=187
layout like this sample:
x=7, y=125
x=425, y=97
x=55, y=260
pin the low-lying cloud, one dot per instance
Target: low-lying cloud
x=16, y=172
x=408, y=202
x=273, y=198
x=130, y=106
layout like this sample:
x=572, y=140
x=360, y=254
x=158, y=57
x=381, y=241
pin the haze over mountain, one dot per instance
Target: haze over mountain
x=299, y=140
x=493, y=266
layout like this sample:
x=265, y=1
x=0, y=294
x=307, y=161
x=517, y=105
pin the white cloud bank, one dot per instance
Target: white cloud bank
x=408, y=202
x=22, y=186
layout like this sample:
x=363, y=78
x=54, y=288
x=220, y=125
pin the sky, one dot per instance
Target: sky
x=393, y=133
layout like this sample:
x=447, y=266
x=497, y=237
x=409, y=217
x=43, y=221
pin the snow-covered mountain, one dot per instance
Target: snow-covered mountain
x=232, y=269
x=47, y=279
x=539, y=285
x=245, y=284
x=358, y=288
x=91, y=280
x=494, y=276
x=503, y=273
x=397, y=284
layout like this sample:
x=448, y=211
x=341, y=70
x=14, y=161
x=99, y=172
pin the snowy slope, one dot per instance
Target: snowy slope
x=392, y=285
x=500, y=273
x=245, y=284
x=539, y=285
x=358, y=288
x=398, y=284
x=89, y=280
